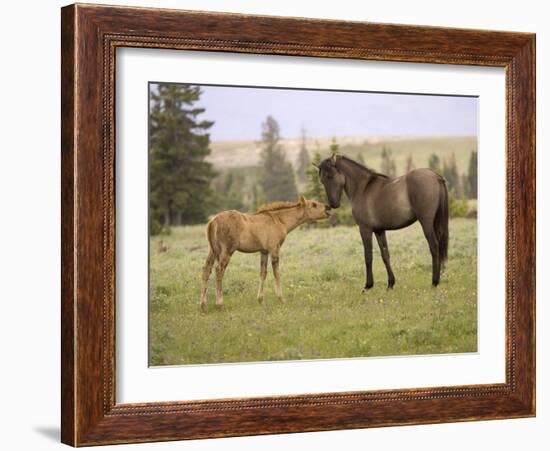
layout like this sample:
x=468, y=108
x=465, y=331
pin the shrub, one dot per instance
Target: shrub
x=458, y=208
x=156, y=228
x=342, y=215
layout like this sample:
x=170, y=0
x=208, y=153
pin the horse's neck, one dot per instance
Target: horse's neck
x=356, y=177
x=290, y=218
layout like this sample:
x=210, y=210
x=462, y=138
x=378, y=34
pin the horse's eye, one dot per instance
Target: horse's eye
x=314, y=204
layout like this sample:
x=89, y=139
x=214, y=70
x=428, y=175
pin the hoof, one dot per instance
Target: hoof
x=220, y=307
x=281, y=300
x=260, y=301
x=203, y=308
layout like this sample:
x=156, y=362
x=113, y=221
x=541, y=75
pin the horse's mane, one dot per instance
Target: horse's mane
x=279, y=205
x=362, y=166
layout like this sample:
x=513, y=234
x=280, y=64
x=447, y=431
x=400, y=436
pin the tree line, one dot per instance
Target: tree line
x=184, y=188
x=462, y=185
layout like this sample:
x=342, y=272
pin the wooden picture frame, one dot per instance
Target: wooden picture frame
x=90, y=36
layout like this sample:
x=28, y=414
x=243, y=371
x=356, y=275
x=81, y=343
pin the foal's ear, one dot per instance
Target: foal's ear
x=315, y=165
x=333, y=158
x=302, y=200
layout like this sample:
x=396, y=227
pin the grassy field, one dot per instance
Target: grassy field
x=325, y=315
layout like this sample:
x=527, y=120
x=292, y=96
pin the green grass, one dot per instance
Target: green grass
x=325, y=315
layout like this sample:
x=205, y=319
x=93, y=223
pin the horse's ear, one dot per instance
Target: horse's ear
x=333, y=158
x=302, y=200
x=315, y=165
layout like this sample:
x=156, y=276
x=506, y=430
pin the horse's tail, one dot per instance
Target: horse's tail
x=441, y=221
x=211, y=234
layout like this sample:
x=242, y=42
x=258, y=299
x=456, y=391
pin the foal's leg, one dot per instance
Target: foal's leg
x=263, y=274
x=384, y=250
x=277, y=275
x=223, y=260
x=206, y=270
x=429, y=233
x=366, y=235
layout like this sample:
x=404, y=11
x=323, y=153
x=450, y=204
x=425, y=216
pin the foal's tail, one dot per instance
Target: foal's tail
x=441, y=221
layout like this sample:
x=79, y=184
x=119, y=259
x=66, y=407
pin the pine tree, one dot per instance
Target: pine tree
x=179, y=176
x=388, y=163
x=450, y=173
x=465, y=186
x=232, y=192
x=304, y=161
x=434, y=163
x=278, y=182
x=472, y=175
x=334, y=147
x=410, y=164
x=314, y=188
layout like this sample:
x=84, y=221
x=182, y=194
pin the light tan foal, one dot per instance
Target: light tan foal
x=264, y=231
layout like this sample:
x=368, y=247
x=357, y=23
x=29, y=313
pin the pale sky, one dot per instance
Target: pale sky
x=239, y=111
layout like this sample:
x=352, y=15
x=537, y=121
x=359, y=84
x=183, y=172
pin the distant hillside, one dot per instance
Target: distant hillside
x=236, y=154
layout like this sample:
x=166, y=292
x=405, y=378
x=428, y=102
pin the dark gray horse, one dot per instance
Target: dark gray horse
x=381, y=203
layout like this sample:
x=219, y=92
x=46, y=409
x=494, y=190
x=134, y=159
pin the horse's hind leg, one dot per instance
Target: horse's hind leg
x=431, y=237
x=277, y=275
x=263, y=275
x=223, y=260
x=384, y=250
x=206, y=270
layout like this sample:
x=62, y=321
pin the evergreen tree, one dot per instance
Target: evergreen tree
x=179, y=176
x=257, y=198
x=388, y=163
x=450, y=173
x=434, y=163
x=465, y=183
x=314, y=188
x=334, y=147
x=410, y=164
x=472, y=175
x=232, y=192
x=278, y=182
x=304, y=161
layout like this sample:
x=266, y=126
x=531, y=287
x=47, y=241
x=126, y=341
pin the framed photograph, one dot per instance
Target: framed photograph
x=279, y=225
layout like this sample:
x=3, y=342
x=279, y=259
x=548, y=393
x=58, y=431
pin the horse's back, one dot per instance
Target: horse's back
x=242, y=231
x=260, y=233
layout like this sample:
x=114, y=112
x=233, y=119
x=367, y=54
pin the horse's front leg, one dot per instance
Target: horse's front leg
x=277, y=275
x=263, y=275
x=384, y=250
x=366, y=235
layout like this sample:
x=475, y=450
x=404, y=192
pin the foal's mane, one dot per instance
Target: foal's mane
x=362, y=166
x=279, y=205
